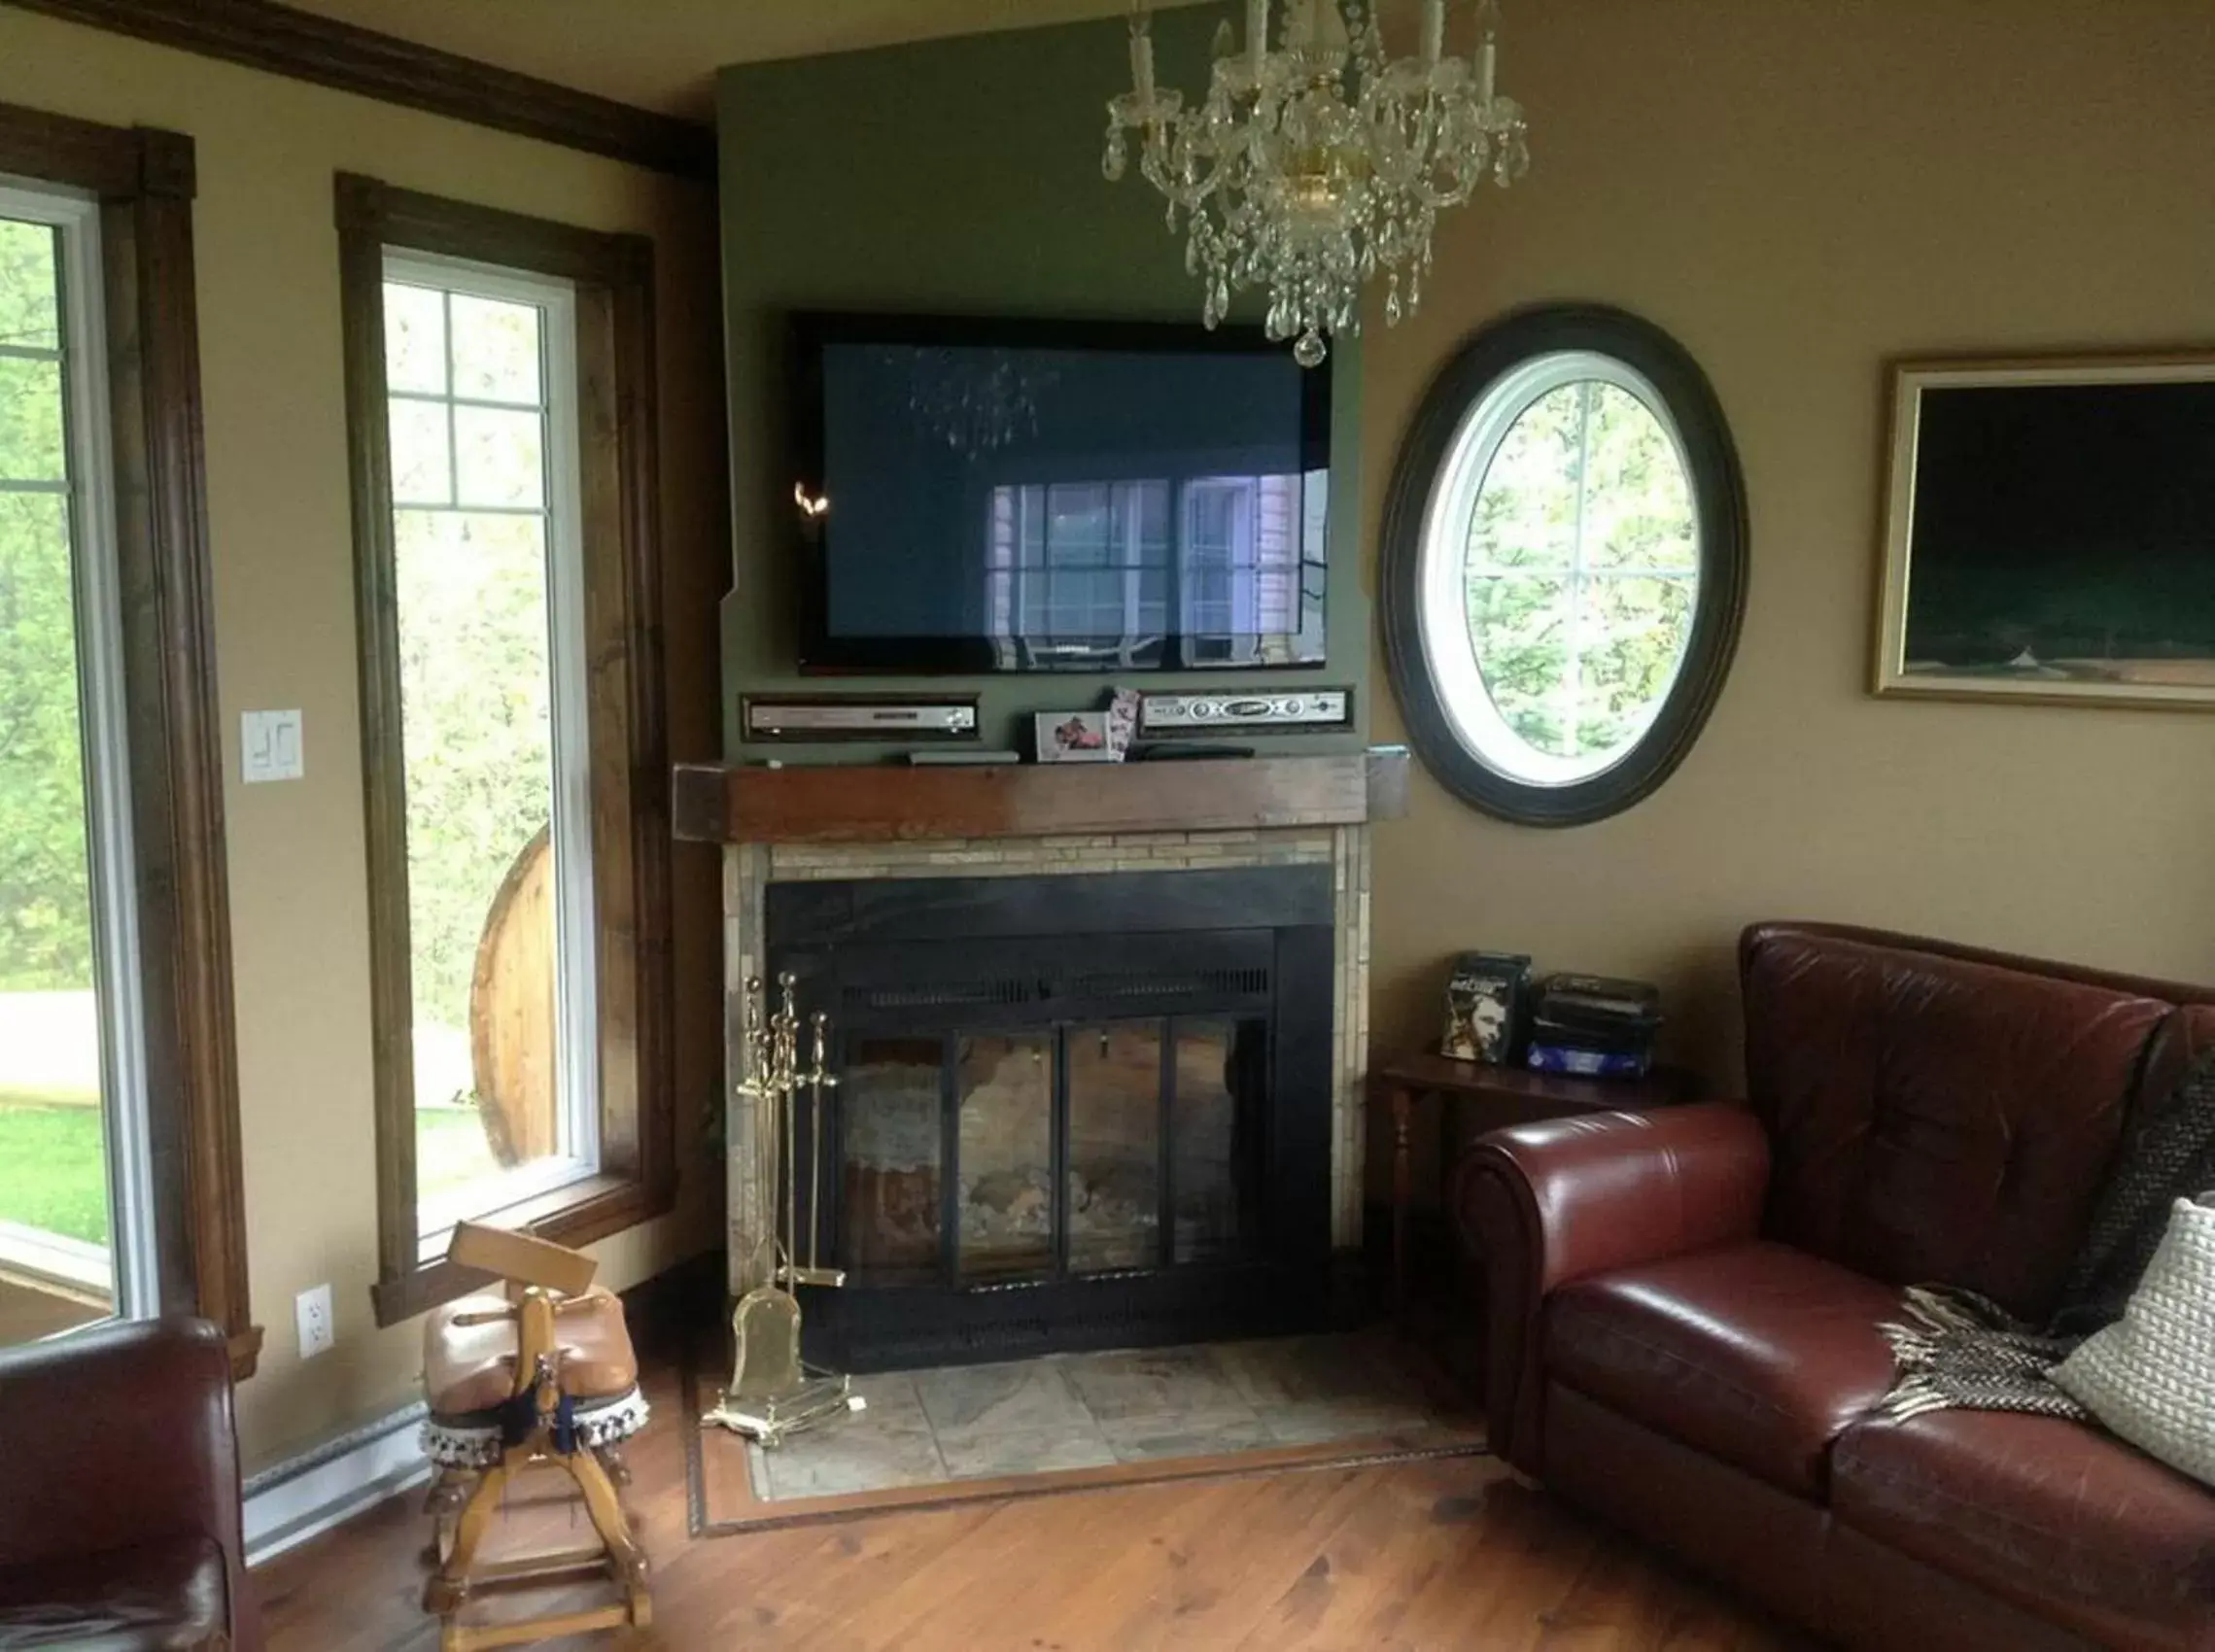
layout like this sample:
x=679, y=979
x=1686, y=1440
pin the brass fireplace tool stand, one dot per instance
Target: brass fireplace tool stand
x=773, y=1391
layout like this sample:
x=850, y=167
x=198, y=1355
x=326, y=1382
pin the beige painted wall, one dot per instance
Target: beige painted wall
x=1799, y=190
x=277, y=502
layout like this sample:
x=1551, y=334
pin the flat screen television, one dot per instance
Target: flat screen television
x=998, y=495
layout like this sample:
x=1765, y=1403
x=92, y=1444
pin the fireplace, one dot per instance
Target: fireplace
x=1072, y=1111
x=1183, y=880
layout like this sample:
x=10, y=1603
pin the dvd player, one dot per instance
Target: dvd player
x=1315, y=708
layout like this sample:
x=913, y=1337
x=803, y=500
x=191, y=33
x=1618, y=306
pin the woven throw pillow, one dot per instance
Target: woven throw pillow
x=2150, y=1376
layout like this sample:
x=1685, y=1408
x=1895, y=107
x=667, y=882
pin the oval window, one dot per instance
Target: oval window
x=1564, y=566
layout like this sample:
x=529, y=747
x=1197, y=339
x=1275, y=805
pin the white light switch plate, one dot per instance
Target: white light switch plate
x=271, y=743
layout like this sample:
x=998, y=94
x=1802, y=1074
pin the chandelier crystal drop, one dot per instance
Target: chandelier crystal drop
x=1315, y=166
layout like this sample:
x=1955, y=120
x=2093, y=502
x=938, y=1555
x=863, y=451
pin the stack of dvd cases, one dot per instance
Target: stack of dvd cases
x=1594, y=1025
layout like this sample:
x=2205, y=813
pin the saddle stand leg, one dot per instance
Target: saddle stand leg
x=447, y=1592
x=626, y=1561
x=539, y=1429
x=449, y=1495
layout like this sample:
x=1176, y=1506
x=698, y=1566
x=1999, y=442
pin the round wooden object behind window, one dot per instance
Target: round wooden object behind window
x=511, y=1010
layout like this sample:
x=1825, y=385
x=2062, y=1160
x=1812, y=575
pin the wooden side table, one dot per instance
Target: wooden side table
x=1501, y=1096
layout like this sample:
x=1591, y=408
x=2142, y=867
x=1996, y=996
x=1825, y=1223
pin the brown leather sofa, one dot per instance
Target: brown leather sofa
x=1683, y=1305
x=118, y=1493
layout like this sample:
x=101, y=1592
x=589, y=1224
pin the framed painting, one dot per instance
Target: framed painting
x=2050, y=532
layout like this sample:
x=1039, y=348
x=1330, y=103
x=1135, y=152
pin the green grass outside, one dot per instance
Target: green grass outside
x=54, y=1175
x=450, y=1149
x=54, y=1172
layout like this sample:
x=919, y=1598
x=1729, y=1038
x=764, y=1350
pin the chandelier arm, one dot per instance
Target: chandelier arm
x=1160, y=167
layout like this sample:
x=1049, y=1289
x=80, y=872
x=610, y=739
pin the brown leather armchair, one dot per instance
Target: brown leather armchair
x=120, y=1495
x=1682, y=1306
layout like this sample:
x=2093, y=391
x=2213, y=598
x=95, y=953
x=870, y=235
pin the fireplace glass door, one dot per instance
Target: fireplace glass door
x=1219, y=1065
x=1115, y=1146
x=889, y=1105
x=1005, y=1146
x=976, y=1158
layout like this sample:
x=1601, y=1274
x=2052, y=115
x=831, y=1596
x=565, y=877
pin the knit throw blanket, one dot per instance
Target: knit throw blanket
x=1957, y=1350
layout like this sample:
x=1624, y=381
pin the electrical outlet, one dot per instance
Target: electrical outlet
x=312, y=1307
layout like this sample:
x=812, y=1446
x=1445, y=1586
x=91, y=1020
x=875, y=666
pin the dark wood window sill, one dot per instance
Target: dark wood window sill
x=579, y=1214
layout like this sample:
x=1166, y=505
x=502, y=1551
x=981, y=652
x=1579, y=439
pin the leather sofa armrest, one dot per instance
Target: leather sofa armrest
x=1539, y=1205
x=122, y=1436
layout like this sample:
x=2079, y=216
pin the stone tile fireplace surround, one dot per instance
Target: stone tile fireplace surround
x=909, y=826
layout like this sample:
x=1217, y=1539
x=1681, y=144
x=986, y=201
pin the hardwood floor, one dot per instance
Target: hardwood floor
x=1424, y=1557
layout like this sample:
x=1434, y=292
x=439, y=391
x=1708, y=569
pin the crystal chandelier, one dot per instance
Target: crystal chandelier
x=1313, y=167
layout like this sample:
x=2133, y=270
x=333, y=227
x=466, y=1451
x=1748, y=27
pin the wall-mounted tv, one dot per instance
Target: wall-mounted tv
x=1001, y=496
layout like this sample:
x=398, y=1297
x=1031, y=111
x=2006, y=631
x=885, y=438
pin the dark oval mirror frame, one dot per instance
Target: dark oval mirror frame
x=1718, y=503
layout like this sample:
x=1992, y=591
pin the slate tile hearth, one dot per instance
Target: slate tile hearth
x=895, y=1449
x=1311, y=1390
x=1075, y=1411
x=1158, y=1386
x=965, y=1401
x=995, y=1457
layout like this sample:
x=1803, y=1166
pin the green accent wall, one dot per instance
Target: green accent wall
x=959, y=177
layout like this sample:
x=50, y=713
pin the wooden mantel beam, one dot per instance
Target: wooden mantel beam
x=857, y=804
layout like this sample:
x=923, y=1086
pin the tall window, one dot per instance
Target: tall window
x=120, y=1186
x=500, y=398
x=76, y=1211
x=480, y=373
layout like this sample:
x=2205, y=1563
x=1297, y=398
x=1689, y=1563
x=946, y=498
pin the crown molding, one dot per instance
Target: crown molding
x=264, y=35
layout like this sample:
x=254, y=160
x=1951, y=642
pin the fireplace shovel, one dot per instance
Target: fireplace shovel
x=767, y=1325
x=772, y=1394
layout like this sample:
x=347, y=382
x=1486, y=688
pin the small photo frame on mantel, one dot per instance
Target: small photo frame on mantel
x=2050, y=532
x=1074, y=737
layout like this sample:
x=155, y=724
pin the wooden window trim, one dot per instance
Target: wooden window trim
x=283, y=40
x=144, y=180
x=617, y=400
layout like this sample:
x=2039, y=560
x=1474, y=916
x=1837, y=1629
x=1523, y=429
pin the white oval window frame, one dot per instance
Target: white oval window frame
x=1455, y=436
x=1449, y=650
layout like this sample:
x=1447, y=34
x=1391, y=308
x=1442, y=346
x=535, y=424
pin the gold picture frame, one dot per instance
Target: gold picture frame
x=2046, y=539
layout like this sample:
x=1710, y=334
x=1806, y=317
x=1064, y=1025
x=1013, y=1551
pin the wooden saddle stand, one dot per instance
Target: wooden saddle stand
x=544, y=1377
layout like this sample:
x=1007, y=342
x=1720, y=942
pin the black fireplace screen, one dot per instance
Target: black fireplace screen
x=1092, y=1148
x=1064, y=1105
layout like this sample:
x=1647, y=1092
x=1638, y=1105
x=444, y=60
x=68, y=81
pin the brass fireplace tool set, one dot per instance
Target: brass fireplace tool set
x=774, y=1393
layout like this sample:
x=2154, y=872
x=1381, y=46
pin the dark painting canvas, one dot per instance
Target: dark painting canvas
x=2058, y=537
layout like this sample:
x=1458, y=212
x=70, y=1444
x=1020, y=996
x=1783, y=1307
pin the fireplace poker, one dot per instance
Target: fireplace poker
x=819, y=1080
